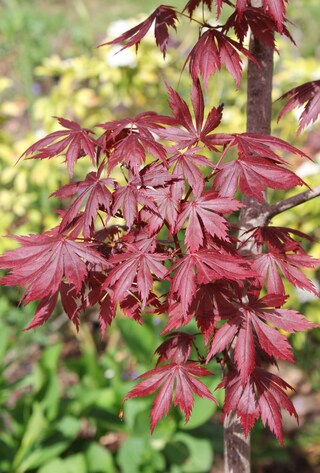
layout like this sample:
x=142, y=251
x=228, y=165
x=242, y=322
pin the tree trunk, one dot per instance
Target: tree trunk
x=259, y=101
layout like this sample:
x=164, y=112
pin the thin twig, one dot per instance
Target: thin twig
x=293, y=201
x=192, y=19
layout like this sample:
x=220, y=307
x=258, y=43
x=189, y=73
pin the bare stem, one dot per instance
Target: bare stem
x=292, y=202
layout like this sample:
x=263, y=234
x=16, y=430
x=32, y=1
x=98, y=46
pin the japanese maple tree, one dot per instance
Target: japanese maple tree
x=172, y=218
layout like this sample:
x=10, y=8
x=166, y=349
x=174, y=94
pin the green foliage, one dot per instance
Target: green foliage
x=62, y=409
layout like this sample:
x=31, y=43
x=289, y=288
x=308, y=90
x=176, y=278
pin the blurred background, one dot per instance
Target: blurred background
x=61, y=393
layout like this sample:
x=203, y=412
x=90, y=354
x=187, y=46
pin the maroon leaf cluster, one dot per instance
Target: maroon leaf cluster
x=172, y=216
x=214, y=47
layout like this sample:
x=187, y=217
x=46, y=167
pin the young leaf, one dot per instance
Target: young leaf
x=186, y=164
x=177, y=348
x=203, y=216
x=131, y=138
x=211, y=51
x=136, y=263
x=278, y=239
x=95, y=190
x=75, y=140
x=184, y=377
x=275, y=8
x=167, y=200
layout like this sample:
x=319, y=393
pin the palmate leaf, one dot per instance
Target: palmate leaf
x=70, y=301
x=168, y=202
x=137, y=192
x=44, y=260
x=203, y=216
x=308, y=94
x=177, y=348
x=163, y=18
x=258, y=166
x=47, y=265
x=186, y=163
x=75, y=141
x=130, y=139
x=191, y=134
x=269, y=266
x=250, y=319
x=275, y=8
x=181, y=378
x=278, y=239
x=131, y=151
x=44, y=310
x=94, y=189
x=262, y=25
x=262, y=396
x=203, y=267
x=253, y=176
x=137, y=263
x=212, y=50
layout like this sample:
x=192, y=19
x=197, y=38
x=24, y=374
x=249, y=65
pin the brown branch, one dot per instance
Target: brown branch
x=292, y=202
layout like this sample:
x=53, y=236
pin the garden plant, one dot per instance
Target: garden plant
x=175, y=220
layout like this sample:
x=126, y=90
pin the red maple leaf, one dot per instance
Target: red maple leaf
x=167, y=200
x=44, y=310
x=257, y=166
x=44, y=260
x=94, y=190
x=179, y=377
x=132, y=138
x=275, y=8
x=137, y=263
x=163, y=17
x=75, y=140
x=308, y=94
x=260, y=22
x=137, y=192
x=186, y=163
x=269, y=265
x=177, y=348
x=69, y=299
x=263, y=395
x=209, y=305
x=203, y=216
x=212, y=50
x=191, y=134
x=128, y=197
x=278, y=239
x=249, y=319
x=131, y=151
x=203, y=267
